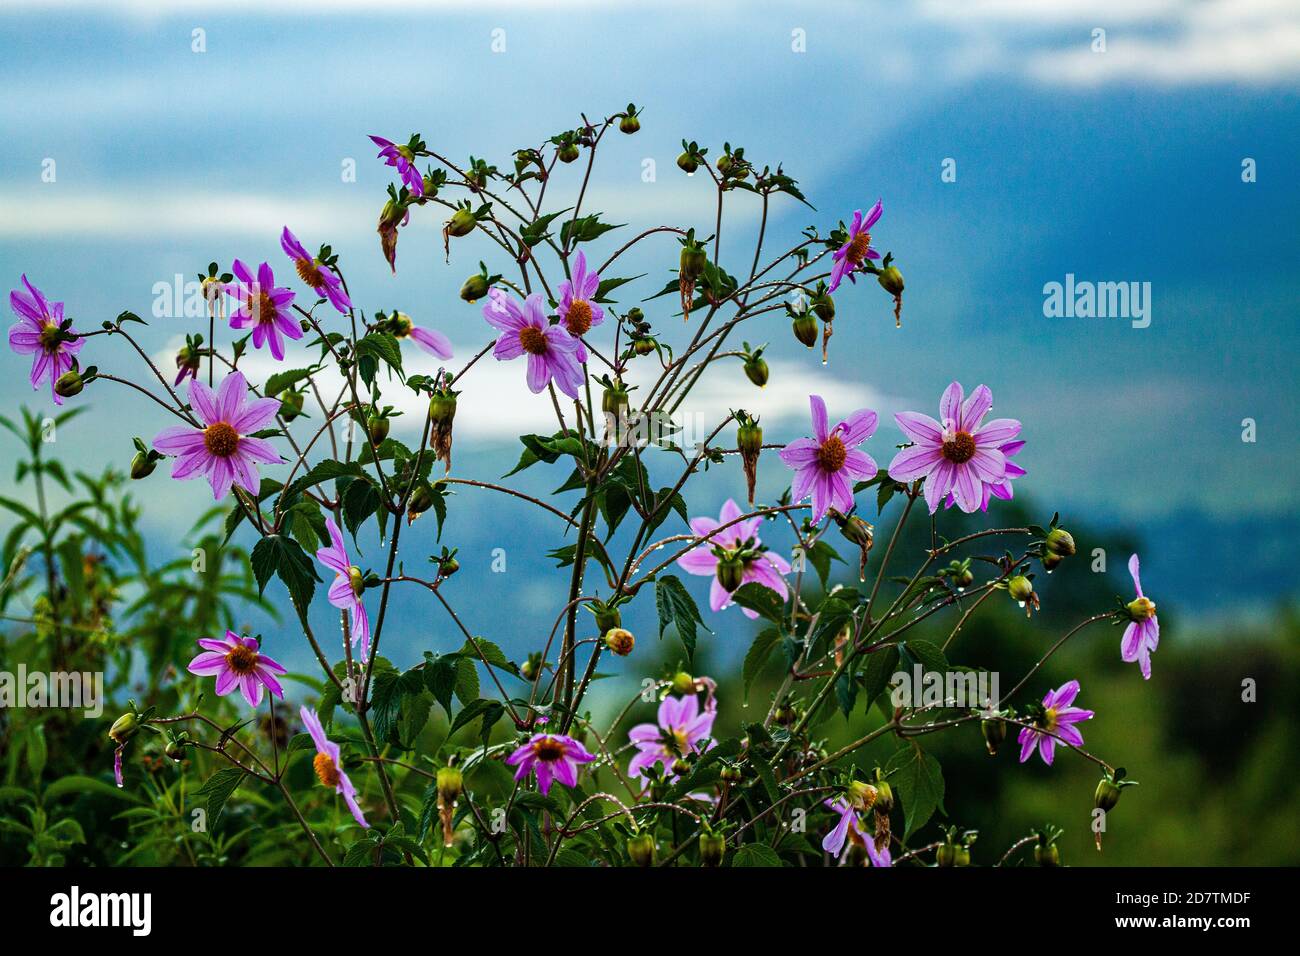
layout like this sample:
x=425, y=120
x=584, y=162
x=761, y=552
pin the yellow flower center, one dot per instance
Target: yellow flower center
x=533, y=340
x=1142, y=608
x=402, y=325
x=858, y=246
x=309, y=272
x=261, y=306
x=242, y=659
x=959, y=448
x=50, y=338
x=1049, y=719
x=578, y=319
x=221, y=439
x=326, y=771
x=832, y=453
x=356, y=580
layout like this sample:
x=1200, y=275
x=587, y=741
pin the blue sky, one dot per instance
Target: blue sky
x=1123, y=165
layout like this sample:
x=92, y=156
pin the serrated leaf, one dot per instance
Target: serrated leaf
x=918, y=779
x=677, y=608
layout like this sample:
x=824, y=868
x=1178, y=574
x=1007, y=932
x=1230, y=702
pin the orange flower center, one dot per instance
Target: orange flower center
x=242, y=659
x=221, y=439
x=959, y=448
x=326, y=771
x=832, y=454
x=533, y=340
x=309, y=272
x=578, y=318
x=261, y=307
x=50, y=338
x=548, y=749
x=858, y=246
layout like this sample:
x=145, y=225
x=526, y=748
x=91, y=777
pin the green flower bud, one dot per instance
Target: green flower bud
x=475, y=287
x=995, y=731
x=1060, y=542
x=421, y=500
x=884, y=797
x=891, y=280
x=643, y=345
x=568, y=153
x=1107, y=795
x=606, y=617
x=730, y=774
x=731, y=572
x=641, y=850
x=291, y=402
x=1020, y=588
x=461, y=223
x=1047, y=855
x=683, y=684
x=142, y=465
x=629, y=124
x=749, y=438
x=946, y=855
x=124, y=728
x=805, y=329
x=858, y=531
x=377, y=428
x=693, y=261
x=69, y=384
x=174, y=750
x=823, y=307
x=688, y=163
x=963, y=856
x=713, y=847
x=615, y=400
x=450, y=783
x=784, y=714
x=756, y=370
x=1051, y=561
x=620, y=641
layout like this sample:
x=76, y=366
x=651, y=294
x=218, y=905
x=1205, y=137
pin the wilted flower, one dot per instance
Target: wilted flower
x=1142, y=636
x=224, y=450
x=329, y=767
x=959, y=454
x=850, y=832
x=431, y=340
x=826, y=465
x=551, y=351
x=857, y=248
x=553, y=757
x=41, y=332
x=345, y=593
x=733, y=556
x=1059, y=718
x=262, y=308
x=322, y=279
x=578, y=310
x=678, y=731
x=403, y=159
x=237, y=662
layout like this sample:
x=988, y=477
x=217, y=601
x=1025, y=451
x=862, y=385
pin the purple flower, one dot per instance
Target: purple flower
x=345, y=593
x=223, y=451
x=403, y=159
x=857, y=248
x=849, y=831
x=1002, y=489
x=1058, y=718
x=738, y=543
x=553, y=756
x=236, y=662
x=551, y=351
x=328, y=766
x=263, y=308
x=322, y=279
x=40, y=332
x=827, y=465
x=1142, y=636
x=959, y=454
x=431, y=340
x=117, y=765
x=679, y=728
x=578, y=309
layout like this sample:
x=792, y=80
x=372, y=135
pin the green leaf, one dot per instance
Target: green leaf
x=217, y=789
x=766, y=602
x=918, y=779
x=881, y=665
x=76, y=783
x=375, y=348
x=276, y=554
x=677, y=608
x=759, y=654
x=755, y=854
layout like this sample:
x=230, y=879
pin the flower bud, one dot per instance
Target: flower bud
x=805, y=329
x=688, y=163
x=291, y=402
x=142, y=465
x=713, y=847
x=862, y=796
x=1107, y=795
x=643, y=345
x=124, y=728
x=174, y=750
x=995, y=731
x=442, y=411
x=756, y=370
x=1141, y=609
x=641, y=850
x=693, y=261
x=884, y=797
x=393, y=214
x=946, y=855
x=69, y=384
x=461, y=223
x=731, y=572
x=475, y=287
x=568, y=153
x=1060, y=542
x=607, y=617
x=1047, y=855
x=683, y=684
x=784, y=714
x=615, y=400
x=620, y=641
x=681, y=767
x=1020, y=588
x=749, y=440
x=730, y=774
x=963, y=856
x=1051, y=561
x=629, y=123
x=377, y=428
x=891, y=280
x=421, y=500
x=449, y=783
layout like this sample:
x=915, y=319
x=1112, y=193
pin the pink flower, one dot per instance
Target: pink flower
x=345, y=593
x=223, y=450
x=236, y=662
x=41, y=331
x=578, y=310
x=328, y=766
x=735, y=553
x=958, y=455
x=1001, y=489
x=401, y=158
x=553, y=757
x=551, y=351
x=431, y=340
x=263, y=308
x=1058, y=718
x=320, y=277
x=857, y=248
x=827, y=465
x=850, y=831
x=678, y=731
x=1142, y=636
